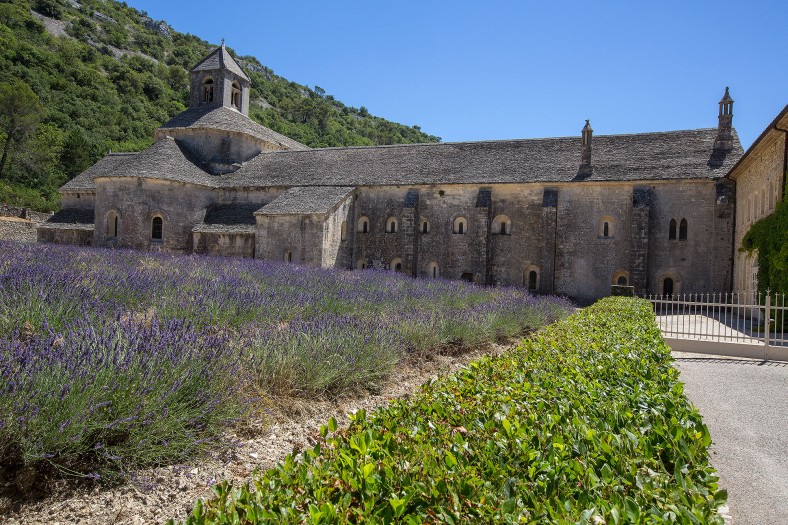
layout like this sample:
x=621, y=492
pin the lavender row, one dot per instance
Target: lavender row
x=110, y=360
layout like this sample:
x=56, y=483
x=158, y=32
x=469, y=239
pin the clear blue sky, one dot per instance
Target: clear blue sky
x=517, y=69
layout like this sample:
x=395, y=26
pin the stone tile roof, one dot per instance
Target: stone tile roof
x=224, y=228
x=668, y=155
x=220, y=58
x=309, y=200
x=779, y=123
x=643, y=156
x=71, y=218
x=84, y=181
x=228, y=119
x=231, y=214
x=164, y=160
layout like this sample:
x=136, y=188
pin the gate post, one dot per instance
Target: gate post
x=767, y=324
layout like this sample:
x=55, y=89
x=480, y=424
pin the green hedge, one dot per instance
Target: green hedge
x=584, y=423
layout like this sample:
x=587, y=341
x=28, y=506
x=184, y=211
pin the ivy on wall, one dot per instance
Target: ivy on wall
x=769, y=236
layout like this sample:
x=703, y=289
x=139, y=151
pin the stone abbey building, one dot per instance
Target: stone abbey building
x=566, y=215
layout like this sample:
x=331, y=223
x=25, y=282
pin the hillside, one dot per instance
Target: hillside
x=107, y=75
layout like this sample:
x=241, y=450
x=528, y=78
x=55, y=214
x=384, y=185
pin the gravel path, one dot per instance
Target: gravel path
x=171, y=492
x=743, y=402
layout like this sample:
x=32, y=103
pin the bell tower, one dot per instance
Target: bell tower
x=219, y=81
x=724, y=141
x=586, y=168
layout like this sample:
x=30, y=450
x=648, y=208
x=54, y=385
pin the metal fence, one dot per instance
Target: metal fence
x=755, y=323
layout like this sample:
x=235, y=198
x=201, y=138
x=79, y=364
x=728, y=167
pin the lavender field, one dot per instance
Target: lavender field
x=115, y=360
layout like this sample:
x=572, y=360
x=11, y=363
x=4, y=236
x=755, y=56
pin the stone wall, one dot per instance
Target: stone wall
x=291, y=238
x=224, y=243
x=66, y=234
x=181, y=206
x=222, y=147
x=557, y=232
x=337, y=248
x=313, y=239
x=19, y=230
x=19, y=224
x=759, y=186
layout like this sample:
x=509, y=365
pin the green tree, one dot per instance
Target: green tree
x=20, y=113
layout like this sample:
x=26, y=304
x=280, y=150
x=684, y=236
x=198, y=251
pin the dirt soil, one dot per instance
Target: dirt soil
x=171, y=492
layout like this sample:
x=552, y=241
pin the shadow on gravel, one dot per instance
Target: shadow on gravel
x=727, y=361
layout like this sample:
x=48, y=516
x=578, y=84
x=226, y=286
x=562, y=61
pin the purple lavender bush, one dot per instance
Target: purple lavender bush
x=113, y=359
x=115, y=395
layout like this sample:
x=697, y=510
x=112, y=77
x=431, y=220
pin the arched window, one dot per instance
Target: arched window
x=531, y=278
x=287, y=256
x=606, y=227
x=391, y=225
x=667, y=287
x=363, y=225
x=343, y=231
x=156, y=228
x=621, y=278
x=361, y=264
x=207, y=90
x=396, y=265
x=112, y=224
x=501, y=225
x=235, y=96
x=425, y=226
x=683, y=230
x=434, y=270
x=460, y=226
x=672, y=230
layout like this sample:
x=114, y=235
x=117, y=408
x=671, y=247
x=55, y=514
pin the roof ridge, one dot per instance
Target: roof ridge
x=492, y=141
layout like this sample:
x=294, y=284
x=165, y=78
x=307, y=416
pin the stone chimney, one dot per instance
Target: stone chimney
x=724, y=141
x=585, y=159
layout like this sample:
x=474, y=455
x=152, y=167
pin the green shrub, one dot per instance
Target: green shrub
x=584, y=422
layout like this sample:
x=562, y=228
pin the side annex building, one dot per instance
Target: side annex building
x=568, y=216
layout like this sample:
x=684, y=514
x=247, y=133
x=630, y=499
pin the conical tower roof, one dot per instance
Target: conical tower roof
x=218, y=59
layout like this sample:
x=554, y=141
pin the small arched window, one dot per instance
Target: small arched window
x=235, y=96
x=112, y=224
x=672, y=230
x=391, y=225
x=363, y=225
x=460, y=226
x=396, y=265
x=425, y=226
x=361, y=264
x=287, y=256
x=434, y=270
x=621, y=278
x=667, y=287
x=531, y=278
x=343, y=231
x=207, y=90
x=606, y=227
x=156, y=228
x=683, y=230
x=502, y=225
